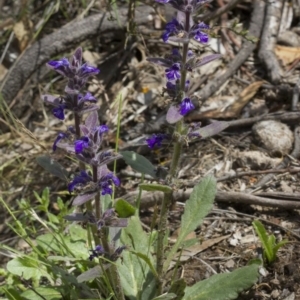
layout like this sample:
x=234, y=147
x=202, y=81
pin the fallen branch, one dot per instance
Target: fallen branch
x=150, y=199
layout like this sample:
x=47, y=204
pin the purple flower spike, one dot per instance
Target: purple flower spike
x=82, y=178
x=186, y=106
x=173, y=73
x=155, y=140
x=81, y=144
x=58, y=138
x=58, y=112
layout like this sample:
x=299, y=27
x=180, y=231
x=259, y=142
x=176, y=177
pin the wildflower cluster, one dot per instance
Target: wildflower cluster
x=84, y=140
x=181, y=62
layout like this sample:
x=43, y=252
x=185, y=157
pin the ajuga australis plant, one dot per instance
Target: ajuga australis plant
x=88, y=257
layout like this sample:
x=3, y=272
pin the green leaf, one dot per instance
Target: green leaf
x=42, y=293
x=178, y=288
x=264, y=239
x=196, y=209
x=138, y=162
x=147, y=260
x=136, y=276
x=12, y=294
x=223, y=286
x=124, y=209
x=91, y=274
x=52, y=166
x=155, y=187
x=279, y=245
x=27, y=268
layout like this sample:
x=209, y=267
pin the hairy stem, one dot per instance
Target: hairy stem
x=97, y=197
x=176, y=155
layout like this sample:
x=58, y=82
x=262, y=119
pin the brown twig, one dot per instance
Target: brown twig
x=150, y=199
x=269, y=39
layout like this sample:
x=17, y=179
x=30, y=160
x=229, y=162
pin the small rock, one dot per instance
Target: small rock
x=275, y=294
x=285, y=187
x=255, y=160
x=274, y=136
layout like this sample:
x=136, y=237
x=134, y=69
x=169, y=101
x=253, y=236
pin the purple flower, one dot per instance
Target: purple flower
x=86, y=70
x=98, y=251
x=173, y=73
x=186, y=106
x=156, y=140
x=101, y=129
x=162, y=1
x=172, y=28
x=58, y=138
x=81, y=144
x=199, y=35
x=60, y=66
x=58, y=111
x=106, y=183
x=82, y=178
x=87, y=98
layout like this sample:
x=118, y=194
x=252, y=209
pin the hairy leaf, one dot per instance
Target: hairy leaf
x=223, y=286
x=212, y=129
x=42, y=293
x=52, y=166
x=155, y=187
x=124, y=209
x=196, y=209
x=138, y=162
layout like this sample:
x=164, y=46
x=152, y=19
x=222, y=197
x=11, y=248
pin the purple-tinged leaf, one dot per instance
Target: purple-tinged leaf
x=173, y=115
x=102, y=171
x=84, y=130
x=77, y=57
x=81, y=199
x=105, y=160
x=206, y=59
x=116, y=222
x=79, y=217
x=93, y=273
x=92, y=120
x=52, y=166
x=212, y=129
x=161, y=61
x=53, y=100
x=90, y=108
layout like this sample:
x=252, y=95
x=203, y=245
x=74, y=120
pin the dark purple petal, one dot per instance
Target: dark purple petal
x=156, y=140
x=201, y=37
x=81, y=144
x=98, y=251
x=56, y=64
x=162, y=1
x=82, y=178
x=173, y=73
x=186, y=106
x=58, y=112
x=101, y=129
x=87, y=98
x=87, y=70
x=106, y=182
x=201, y=25
x=58, y=138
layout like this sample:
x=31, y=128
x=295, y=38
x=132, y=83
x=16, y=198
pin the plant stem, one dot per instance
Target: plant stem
x=176, y=155
x=97, y=197
x=160, y=240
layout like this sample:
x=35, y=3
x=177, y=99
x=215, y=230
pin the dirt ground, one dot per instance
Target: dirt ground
x=254, y=87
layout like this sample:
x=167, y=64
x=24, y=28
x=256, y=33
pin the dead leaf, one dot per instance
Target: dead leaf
x=234, y=105
x=194, y=250
x=287, y=54
x=23, y=32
